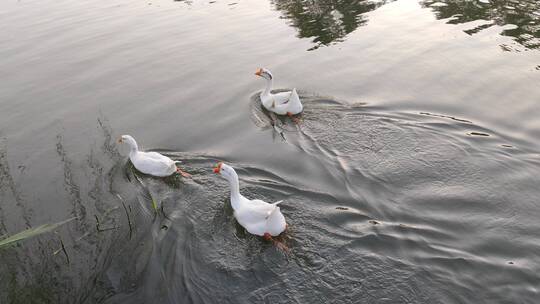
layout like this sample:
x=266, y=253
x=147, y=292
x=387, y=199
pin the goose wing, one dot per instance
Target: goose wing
x=255, y=211
x=281, y=98
x=259, y=217
x=293, y=105
x=154, y=155
x=154, y=163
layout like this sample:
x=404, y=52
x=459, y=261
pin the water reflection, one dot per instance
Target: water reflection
x=521, y=17
x=327, y=21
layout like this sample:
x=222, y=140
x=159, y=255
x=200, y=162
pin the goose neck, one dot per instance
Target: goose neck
x=235, y=191
x=268, y=87
x=133, y=148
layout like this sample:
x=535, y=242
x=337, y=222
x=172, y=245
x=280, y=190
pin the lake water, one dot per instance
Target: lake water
x=413, y=175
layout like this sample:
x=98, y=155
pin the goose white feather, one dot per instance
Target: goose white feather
x=256, y=216
x=151, y=163
x=282, y=103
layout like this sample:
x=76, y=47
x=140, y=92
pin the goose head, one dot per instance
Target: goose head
x=264, y=73
x=129, y=140
x=226, y=171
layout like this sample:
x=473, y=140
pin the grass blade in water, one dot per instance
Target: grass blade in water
x=31, y=233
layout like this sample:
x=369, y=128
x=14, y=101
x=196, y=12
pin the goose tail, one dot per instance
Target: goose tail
x=275, y=208
x=296, y=104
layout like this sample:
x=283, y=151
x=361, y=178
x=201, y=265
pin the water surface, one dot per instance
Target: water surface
x=412, y=176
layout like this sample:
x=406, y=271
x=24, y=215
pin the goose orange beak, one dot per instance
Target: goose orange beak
x=258, y=72
x=120, y=140
x=217, y=168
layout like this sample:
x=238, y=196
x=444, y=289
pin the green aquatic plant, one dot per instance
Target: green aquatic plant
x=31, y=232
x=154, y=205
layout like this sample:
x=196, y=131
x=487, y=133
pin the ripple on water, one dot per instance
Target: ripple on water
x=419, y=207
x=416, y=204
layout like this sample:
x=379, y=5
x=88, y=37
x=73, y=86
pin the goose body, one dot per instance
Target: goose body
x=282, y=103
x=256, y=216
x=151, y=163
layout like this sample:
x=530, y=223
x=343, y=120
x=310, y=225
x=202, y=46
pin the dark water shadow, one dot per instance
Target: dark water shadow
x=417, y=205
x=522, y=18
x=326, y=22
x=412, y=203
x=436, y=190
x=9, y=187
x=196, y=253
x=61, y=267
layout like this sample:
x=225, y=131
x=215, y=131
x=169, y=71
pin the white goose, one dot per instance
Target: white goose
x=256, y=216
x=282, y=103
x=151, y=163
